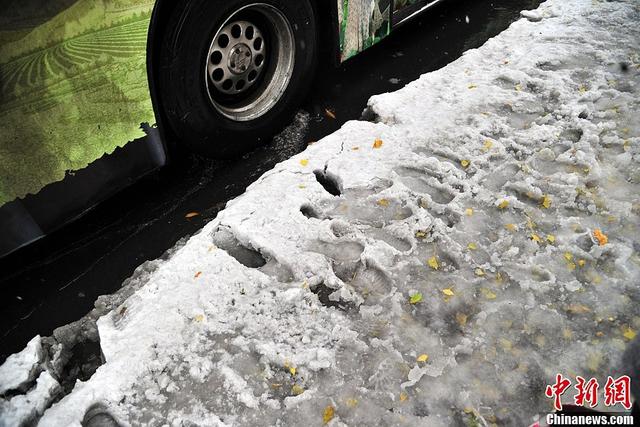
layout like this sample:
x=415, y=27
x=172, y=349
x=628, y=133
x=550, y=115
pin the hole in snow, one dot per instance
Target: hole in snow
x=396, y=242
x=369, y=115
x=571, y=134
x=371, y=284
x=329, y=182
x=324, y=295
x=278, y=271
x=225, y=240
x=309, y=211
x=83, y=361
x=339, y=251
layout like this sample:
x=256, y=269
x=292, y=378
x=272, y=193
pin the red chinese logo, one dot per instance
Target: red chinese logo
x=587, y=392
x=615, y=391
x=556, y=390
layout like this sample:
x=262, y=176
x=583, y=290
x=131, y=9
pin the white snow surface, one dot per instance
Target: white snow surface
x=21, y=368
x=493, y=175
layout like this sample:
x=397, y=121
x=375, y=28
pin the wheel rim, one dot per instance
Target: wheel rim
x=250, y=62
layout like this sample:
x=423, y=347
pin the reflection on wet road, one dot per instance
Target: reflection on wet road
x=57, y=280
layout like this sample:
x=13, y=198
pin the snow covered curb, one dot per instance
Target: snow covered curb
x=456, y=272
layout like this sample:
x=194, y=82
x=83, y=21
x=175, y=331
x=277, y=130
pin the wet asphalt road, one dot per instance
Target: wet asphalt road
x=56, y=280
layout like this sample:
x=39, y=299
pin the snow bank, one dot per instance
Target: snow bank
x=438, y=266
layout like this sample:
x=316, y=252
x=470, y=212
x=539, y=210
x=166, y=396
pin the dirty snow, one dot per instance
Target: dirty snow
x=21, y=368
x=498, y=194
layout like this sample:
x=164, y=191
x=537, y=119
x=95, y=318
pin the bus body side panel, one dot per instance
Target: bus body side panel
x=401, y=4
x=362, y=23
x=73, y=87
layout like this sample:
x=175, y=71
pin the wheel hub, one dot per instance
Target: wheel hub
x=237, y=57
x=240, y=58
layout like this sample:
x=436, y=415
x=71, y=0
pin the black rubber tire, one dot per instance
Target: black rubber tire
x=183, y=93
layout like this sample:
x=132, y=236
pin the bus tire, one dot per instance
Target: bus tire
x=233, y=72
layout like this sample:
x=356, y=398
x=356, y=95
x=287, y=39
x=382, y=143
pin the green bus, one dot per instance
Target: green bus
x=94, y=93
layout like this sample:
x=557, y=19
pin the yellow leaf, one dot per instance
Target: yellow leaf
x=594, y=360
x=578, y=309
x=518, y=87
x=421, y=234
x=448, y=292
x=191, y=215
x=465, y=163
x=536, y=238
x=433, y=263
x=423, y=358
x=488, y=294
x=329, y=413
x=510, y=227
x=582, y=89
x=568, y=256
x=352, y=402
x=383, y=202
x=461, y=318
x=297, y=390
x=487, y=145
x=472, y=246
x=377, y=143
x=582, y=262
x=503, y=204
x=302, y=186
x=329, y=113
x=469, y=211
x=600, y=237
x=403, y=396
x=293, y=371
x=304, y=162
x=479, y=272
x=199, y=318
x=546, y=202
x=629, y=333
x=472, y=86
x=506, y=344
x=551, y=238
x=415, y=298
x=571, y=266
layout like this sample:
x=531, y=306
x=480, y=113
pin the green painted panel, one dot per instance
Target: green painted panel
x=362, y=24
x=73, y=86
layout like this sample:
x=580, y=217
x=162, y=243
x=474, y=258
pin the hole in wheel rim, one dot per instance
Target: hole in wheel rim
x=223, y=41
x=236, y=31
x=217, y=75
x=216, y=57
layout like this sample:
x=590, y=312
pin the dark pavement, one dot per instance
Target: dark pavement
x=56, y=280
